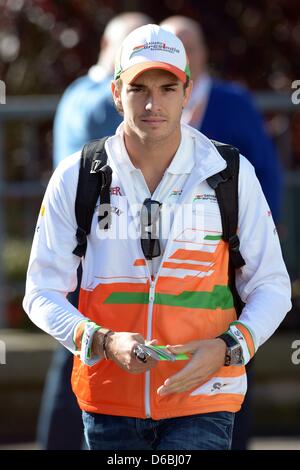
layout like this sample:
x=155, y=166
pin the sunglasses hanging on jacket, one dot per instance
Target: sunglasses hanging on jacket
x=150, y=214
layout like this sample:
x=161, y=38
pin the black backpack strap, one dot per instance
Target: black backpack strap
x=225, y=185
x=94, y=180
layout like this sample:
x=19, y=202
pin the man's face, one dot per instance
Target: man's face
x=152, y=105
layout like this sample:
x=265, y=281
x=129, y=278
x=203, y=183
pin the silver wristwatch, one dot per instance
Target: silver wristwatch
x=234, y=351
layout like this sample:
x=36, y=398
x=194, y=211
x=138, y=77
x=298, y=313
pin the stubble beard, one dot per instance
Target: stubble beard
x=155, y=138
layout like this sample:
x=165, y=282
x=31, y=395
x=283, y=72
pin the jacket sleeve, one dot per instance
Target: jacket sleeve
x=263, y=283
x=52, y=266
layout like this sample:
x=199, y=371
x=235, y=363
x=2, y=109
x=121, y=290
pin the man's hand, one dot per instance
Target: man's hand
x=120, y=349
x=207, y=357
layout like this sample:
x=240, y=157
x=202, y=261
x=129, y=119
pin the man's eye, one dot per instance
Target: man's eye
x=135, y=90
x=169, y=88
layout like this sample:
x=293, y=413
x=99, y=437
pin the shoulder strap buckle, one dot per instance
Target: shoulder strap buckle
x=216, y=179
x=96, y=166
x=106, y=176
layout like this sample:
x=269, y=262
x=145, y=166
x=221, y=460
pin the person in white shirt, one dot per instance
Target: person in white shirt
x=85, y=112
x=127, y=300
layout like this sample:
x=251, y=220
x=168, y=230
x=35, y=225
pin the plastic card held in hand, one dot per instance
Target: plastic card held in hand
x=164, y=354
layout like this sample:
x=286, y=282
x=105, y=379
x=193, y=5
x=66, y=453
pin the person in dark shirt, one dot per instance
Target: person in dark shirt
x=225, y=111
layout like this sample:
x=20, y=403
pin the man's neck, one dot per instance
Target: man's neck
x=152, y=158
x=152, y=155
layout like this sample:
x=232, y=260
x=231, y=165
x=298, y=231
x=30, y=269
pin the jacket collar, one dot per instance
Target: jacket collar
x=195, y=150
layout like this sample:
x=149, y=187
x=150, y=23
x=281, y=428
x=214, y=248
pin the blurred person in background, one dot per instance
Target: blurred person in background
x=224, y=111
x=86, y=111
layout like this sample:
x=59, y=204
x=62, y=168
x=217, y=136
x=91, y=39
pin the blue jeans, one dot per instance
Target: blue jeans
x=209, y=431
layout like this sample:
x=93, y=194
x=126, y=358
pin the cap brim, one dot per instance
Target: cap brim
x=134, y=71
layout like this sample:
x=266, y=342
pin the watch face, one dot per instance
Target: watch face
x=236, y=354
x=234, y=351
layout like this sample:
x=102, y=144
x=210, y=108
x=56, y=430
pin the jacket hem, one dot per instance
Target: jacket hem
x=156, y=415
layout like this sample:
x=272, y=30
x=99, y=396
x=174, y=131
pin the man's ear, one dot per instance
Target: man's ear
x=187, y=93
x=116, y=92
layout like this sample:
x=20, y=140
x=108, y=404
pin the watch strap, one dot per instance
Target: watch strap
x=229, y=339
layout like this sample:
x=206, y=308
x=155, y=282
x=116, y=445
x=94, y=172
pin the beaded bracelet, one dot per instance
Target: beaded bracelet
x=104, y=343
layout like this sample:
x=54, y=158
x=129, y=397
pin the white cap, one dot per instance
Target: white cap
x=151, y=47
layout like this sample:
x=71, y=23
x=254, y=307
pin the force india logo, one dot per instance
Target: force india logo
x=154, y=46
x=176, y=192
x=205, y=197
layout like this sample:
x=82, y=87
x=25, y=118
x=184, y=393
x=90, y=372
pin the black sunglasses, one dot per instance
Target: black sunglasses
x=149, y=240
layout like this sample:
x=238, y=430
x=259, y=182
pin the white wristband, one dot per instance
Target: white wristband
x=86, y=344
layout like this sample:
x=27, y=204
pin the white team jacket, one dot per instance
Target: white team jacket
x=263, y=283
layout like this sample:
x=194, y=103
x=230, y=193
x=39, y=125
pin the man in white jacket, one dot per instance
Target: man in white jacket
x=174, y=291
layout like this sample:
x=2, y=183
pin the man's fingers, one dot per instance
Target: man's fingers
x=172, y=383
x=179, y=387
x=178, y=348
x=153, y=341
x=174, y=386
x=188, y=348
x=186, y=378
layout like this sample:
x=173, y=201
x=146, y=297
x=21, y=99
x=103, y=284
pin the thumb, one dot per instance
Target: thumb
x=188, y=348
x=153, y=341
x=178, y=348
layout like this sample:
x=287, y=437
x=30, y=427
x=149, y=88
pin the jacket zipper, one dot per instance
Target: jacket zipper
x=152, y=297
x=149, y=335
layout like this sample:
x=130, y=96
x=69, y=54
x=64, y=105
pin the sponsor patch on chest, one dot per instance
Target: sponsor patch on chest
x=206, y=197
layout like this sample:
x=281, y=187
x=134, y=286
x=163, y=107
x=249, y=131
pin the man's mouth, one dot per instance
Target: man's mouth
x=153, y=120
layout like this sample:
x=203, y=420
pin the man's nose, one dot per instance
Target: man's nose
x=152, y=102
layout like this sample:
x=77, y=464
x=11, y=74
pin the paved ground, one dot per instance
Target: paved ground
x=275, y=443
x=258, y=443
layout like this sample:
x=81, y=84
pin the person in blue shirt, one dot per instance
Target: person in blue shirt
x=225, y=111
x=86, y=111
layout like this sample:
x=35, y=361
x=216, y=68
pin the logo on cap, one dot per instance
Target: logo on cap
x=154, y=46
